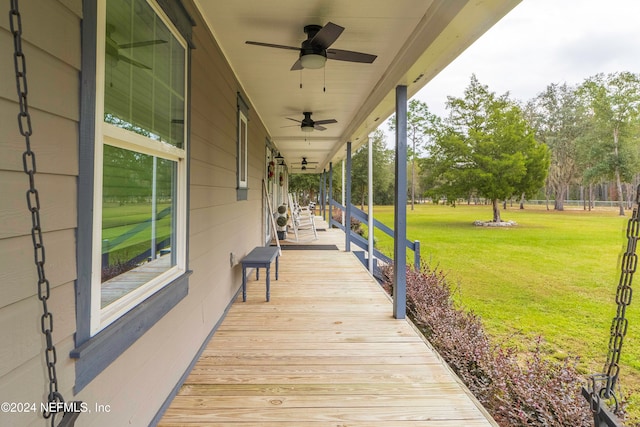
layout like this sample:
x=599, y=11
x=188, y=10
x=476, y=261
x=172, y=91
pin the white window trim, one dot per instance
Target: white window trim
x=107, y=133
x=243, y=143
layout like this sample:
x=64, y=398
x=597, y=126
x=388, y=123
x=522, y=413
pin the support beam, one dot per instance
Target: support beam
x=343, y=186
x=330, y=192
x=370, y=226
x=347, y=202
x=400, y=208
x=320, y=196
x=324, y=194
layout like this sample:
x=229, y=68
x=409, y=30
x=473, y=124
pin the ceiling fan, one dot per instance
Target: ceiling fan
x=315, y=51
x=308, y=125
x=113, y=48
x=303, y=168
x=305, y=164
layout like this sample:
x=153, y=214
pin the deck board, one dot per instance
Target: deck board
x=325, y=351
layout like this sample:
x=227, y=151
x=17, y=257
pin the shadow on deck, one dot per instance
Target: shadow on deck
x=325, y=351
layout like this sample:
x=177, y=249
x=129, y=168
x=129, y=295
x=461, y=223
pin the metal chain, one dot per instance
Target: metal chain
x=33, y=204
x=603, y=385
x=623, y=299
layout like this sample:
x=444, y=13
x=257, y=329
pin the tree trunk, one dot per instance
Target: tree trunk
x=413, y=175
x=522, y=201
x=496, y=210
x=619, y=191
x=547, y=190
x=559, y=202
x=618, y=179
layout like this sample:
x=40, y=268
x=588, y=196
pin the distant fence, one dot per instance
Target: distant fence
x=580, y=203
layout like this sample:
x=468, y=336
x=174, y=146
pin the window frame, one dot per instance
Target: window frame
x=97, y=348
x=109, y=134
x=242, y=149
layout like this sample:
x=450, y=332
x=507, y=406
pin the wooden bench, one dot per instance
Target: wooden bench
x=262, y=256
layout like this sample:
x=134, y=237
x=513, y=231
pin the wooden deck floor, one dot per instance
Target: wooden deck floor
x=325, y=351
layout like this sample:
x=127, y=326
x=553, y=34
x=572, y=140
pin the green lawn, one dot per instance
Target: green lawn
x=130, y=226
x=553, y=275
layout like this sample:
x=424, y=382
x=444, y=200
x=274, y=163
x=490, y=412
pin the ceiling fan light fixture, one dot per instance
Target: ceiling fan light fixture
x=313, y=61
x=306, y=128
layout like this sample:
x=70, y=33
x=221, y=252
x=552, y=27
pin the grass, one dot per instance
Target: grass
x=554, y=275
x=121, y=222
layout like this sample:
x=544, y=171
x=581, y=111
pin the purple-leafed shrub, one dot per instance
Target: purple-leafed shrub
x=356, y=225
x=517, y=389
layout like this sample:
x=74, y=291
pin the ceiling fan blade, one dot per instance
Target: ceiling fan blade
x=297, y=121
x=277, y=46
x=133, y=62
x=327, y=35
x=325, y=122
x=141, y=44
x=350, y=56
x=296, y=66
x=316, y=126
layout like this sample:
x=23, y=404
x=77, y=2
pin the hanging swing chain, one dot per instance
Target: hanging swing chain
x=620, y=323
x=33, y=203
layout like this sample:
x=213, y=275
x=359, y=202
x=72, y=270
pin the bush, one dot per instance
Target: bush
x=282, y=221
x=117, y=268
x=518, y=390
x=356, y=225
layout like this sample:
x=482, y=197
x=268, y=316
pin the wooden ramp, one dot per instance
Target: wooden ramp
x=325, y=351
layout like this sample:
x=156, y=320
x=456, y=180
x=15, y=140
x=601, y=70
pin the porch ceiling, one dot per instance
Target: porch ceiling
x=413, y=40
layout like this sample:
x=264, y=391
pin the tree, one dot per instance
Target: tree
x=304, y=183
x=485, y=147
x=558, y=117
x=419, y=127
x=611, y=141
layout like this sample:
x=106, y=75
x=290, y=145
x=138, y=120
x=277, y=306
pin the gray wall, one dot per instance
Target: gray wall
x=138, y=382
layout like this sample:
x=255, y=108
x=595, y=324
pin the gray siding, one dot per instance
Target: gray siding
x=137, y=383
x=51, y=42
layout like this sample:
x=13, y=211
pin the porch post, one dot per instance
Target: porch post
x=324, y=194
x=343, y=185
x=400, y=219
x=370, y=225
x=321, y=195
x=347, y=202
x=330, y=192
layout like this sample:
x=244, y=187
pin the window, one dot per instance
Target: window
x=139, y=242
x=243, y=137
x=132, y=185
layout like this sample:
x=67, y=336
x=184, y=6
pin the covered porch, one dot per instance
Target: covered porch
x=325, y=350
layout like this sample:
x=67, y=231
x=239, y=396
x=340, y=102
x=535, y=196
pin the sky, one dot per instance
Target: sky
x=542, y=42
